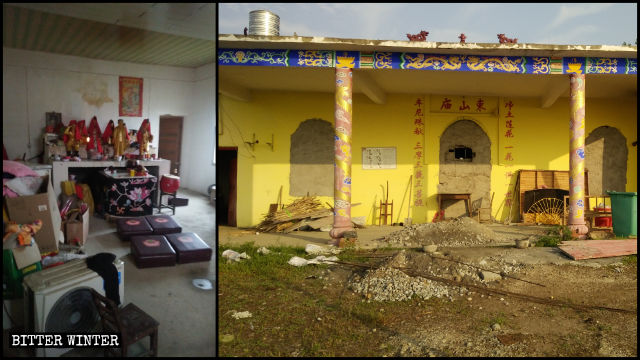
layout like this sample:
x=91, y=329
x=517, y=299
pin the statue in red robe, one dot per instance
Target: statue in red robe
x=144, y=138
x=108, y=132
x=95, y=136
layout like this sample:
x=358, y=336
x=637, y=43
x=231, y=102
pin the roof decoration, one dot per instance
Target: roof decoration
x=421, y=61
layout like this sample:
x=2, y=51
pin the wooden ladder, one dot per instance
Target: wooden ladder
x=386, y=210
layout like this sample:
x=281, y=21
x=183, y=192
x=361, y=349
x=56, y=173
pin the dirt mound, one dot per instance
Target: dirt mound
x=456, y=232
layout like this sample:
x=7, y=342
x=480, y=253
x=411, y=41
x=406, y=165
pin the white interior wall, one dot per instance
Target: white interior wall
x=51, y=82
x=199, y=135
x=35, y=83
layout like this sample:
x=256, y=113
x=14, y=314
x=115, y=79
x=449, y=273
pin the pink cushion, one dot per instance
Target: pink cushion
x=18, y=169
x=8, y=192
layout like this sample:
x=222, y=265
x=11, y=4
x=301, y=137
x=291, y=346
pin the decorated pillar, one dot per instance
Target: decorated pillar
x=342, y=226
x=576, y=157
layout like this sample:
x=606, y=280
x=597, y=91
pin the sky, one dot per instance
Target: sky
x=560, y=24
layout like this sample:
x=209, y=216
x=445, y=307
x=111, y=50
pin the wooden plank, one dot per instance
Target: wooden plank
x=592, y=249
x=321, y=222
x=546, y=179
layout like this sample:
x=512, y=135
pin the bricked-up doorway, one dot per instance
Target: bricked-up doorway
x=606, y=159
x=465, y=166
x=312, y=159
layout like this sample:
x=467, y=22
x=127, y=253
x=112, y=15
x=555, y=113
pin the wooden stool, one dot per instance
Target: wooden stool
x=169, y=185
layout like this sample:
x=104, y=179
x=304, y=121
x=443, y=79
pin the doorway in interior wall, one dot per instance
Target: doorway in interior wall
x=170, y=141
x=226, y=185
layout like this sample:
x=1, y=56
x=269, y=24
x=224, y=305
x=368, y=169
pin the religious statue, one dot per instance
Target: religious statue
x=120, y=138
x=106, y=140
x=82, y=135
x=70, y=137
x=108, y=132
x=82, y=138
x=144, y=138
x=95, y=136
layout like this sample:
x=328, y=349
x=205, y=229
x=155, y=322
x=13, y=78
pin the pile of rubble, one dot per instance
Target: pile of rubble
x=389, y=283
x=456, y=232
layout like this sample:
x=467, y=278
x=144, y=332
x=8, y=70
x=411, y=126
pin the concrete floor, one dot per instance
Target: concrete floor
x=371, y=236
x=368, y=238
x=186, y=314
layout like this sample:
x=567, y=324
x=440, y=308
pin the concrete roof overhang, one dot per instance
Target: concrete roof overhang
x=239, y=81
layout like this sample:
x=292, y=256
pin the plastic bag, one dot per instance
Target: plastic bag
x=312, y=249
x=264, y=251
x=233, y=255
x=298, y=261
x=61, y=257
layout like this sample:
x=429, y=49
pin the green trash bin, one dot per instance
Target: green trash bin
x=624, y=213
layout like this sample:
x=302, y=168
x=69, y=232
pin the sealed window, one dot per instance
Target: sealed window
x=462, y=153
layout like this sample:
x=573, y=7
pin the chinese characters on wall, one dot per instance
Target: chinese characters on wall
x=463, y=104
x=418, y=111
x=378, y=158
x=508, y=134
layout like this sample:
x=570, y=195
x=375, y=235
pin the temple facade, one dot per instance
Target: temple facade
x=436, y=128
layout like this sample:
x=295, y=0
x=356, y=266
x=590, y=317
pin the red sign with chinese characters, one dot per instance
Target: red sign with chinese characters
x=464, y=104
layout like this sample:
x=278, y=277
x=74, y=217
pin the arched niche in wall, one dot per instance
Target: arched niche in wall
x=606, y=159
x=465, y=166
x=312, y=158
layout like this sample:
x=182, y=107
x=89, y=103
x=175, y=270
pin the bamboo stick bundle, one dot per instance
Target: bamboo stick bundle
x=307, y=207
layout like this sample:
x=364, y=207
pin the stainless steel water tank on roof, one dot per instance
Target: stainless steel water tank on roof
x=264, y=22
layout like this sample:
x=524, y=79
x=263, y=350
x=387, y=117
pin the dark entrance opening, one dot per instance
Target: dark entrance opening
x=226, y=184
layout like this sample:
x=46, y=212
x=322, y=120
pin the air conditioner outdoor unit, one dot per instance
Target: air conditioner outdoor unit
x=57, y=300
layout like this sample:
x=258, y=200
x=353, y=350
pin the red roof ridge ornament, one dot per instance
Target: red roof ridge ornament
x=505, y=40
x=462, y=38
x=421, y=36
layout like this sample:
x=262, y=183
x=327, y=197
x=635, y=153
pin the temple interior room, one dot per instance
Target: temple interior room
x=109, y=145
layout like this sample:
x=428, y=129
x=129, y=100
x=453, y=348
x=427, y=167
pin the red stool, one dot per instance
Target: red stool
x=169, y=185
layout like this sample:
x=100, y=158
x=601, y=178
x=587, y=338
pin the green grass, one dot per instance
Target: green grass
x=286, y=302
x=499, y=319
x=630, y=260
x=264, y=266
x=554, y=236
x=548, y=241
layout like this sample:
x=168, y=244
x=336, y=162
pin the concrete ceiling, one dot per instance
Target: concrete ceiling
x=239, y=81
x=173, y=34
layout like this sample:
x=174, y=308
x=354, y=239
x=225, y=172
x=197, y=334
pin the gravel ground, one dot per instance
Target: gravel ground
x=386, y=283
x=457, y=232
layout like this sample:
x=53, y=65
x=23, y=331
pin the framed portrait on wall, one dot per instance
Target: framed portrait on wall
x=130, y=96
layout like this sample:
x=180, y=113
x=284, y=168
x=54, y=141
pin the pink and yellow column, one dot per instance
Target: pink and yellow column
x=576, y=157
x=342, y=226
